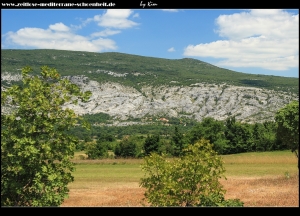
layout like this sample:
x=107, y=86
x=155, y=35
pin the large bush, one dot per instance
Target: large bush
x=97, y=150
x=191, y=180
x=127, y=148
x=36, y=147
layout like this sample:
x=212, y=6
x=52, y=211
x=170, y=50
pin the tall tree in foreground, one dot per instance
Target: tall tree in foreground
x=35, y=146
x=191, y=180
x=287, y=119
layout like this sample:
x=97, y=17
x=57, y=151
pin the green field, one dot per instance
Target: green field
x=261, y=164
x=112, y=172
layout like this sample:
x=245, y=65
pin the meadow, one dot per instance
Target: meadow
x=259, y=179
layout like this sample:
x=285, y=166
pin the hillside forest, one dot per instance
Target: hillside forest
x=134, y=141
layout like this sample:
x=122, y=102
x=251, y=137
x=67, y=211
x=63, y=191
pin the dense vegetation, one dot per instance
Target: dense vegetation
x=227, y=137
x=135, y=71
x=36, y=150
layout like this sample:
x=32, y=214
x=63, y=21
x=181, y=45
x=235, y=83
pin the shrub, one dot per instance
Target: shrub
x=190, y=180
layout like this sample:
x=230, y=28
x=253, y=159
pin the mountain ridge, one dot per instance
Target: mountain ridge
x=128, y=86
x=186, y=71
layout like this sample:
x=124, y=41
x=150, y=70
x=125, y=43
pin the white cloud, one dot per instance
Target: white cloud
x=116, y=18
x=270, y=23
x=105, y=33
x=83, y=24
x=257, y=38
x=58, y=36
x=172, y=49
x=59, y=27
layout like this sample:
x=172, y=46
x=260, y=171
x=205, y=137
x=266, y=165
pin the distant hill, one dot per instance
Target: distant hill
x=134, y=70
x=133, y=89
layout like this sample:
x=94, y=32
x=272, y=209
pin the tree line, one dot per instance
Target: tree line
x=228, y=137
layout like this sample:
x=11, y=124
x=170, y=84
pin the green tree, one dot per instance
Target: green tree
x=190, y=180
x=264, y=137
x=127, y=148
x=96, y=150
x=151, y=144
x=239, y=136
x=287, y=119
x=212, y=130
x=177, y=142
x=36, y=147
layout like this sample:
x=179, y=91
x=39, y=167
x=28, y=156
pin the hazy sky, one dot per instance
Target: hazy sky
x=259, y=41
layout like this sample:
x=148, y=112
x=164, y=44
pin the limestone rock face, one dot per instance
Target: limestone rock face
x=248, y=104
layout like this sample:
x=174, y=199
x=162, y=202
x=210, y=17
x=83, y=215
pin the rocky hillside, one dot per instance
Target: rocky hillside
x=248, y=104
x=124, y=95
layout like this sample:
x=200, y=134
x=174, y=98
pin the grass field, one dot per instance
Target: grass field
x=257, y=179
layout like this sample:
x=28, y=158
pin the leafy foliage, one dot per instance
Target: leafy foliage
x=264, y=135
x=152, y=144
x=287, y=119
x=35, y=146
x=239, y=135
x=96, y=150
x=128, y=148
x=191, y=180
x=212, y=130
x=178, y=142
x=228, y=136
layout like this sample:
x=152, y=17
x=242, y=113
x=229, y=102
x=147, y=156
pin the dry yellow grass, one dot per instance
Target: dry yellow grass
x=276, y=183
x=266, y=192
x=254, y=192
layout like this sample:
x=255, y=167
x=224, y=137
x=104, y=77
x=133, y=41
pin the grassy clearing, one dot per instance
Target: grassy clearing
x=261, y=164
x=103, y=175
x=257, y=164
x=258, y=179
x=252, y=164
x=278, y=157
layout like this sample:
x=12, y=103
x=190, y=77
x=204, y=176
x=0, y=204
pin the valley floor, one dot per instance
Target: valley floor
x=254, y=192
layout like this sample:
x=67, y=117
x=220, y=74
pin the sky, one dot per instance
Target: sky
x=259, y=41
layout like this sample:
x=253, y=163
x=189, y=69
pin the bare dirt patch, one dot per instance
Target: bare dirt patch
x=254, y=192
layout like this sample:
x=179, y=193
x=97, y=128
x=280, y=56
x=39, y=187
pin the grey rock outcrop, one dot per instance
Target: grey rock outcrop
x=248, y=104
